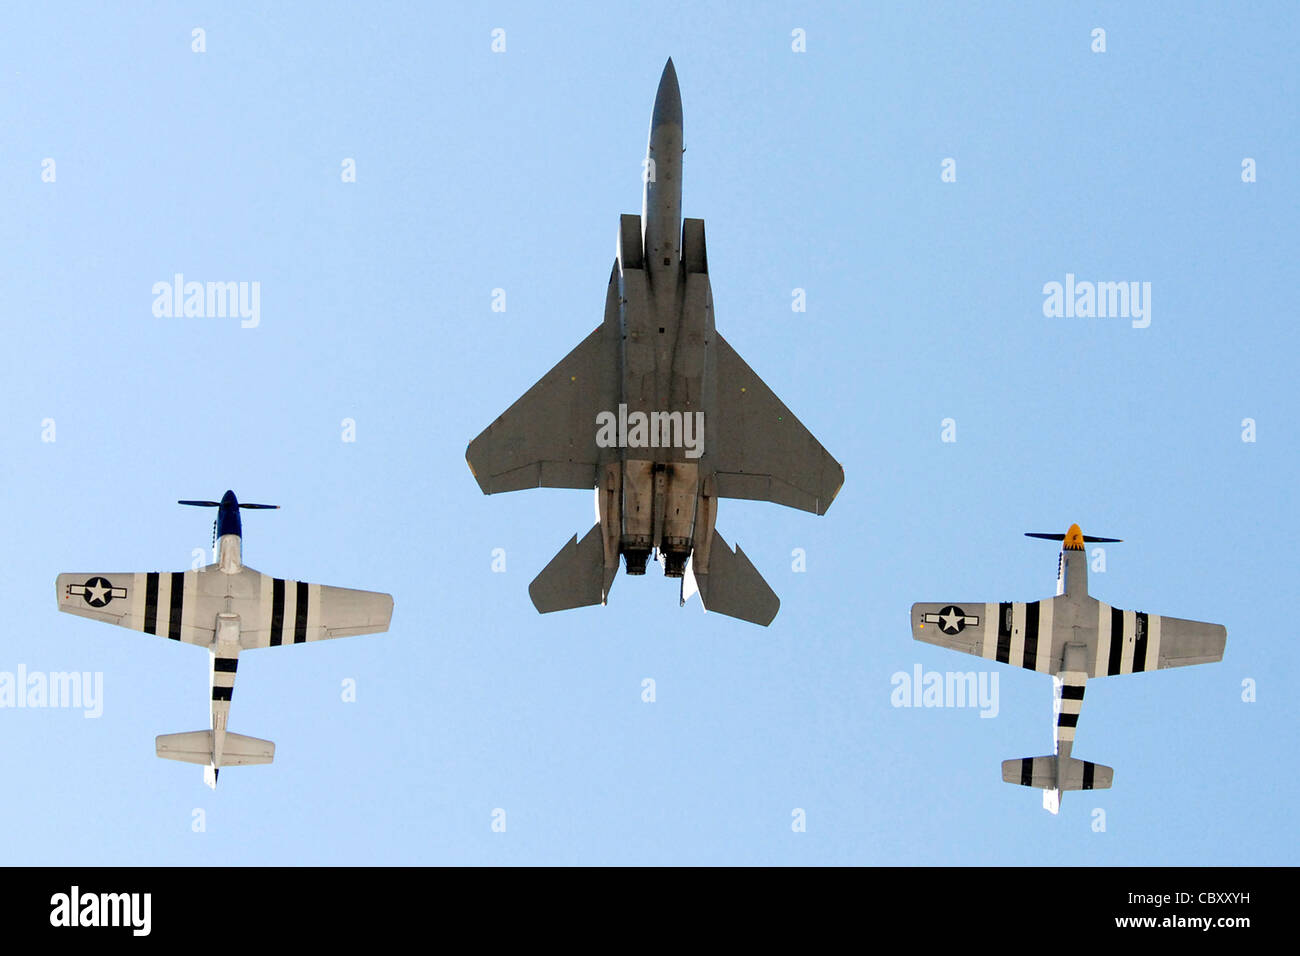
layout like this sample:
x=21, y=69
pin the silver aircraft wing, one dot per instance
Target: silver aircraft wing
x=295, y=612
x=761, y=451
x=1129, y=642
x=547, y=438
x=168, y=604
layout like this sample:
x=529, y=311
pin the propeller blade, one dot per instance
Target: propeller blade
x=201, y=504
x=1061, y=537
x=243, y=505
x=1088, y=537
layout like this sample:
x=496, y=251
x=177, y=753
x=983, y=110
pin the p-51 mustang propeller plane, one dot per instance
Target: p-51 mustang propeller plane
x=226, y=607
x=1072, y=636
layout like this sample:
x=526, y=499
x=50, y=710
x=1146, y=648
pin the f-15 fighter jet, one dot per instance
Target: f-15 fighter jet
x=657, y=413
x=1072, y=636
x=226, y=607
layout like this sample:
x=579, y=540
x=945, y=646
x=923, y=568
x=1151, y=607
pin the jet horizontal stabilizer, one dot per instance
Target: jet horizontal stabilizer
x=734, y=587
x=575, y=577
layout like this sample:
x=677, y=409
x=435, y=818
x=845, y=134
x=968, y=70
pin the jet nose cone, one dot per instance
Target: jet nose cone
x=668, y=101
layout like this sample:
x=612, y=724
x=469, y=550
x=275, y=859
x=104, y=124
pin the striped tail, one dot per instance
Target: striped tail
x=1060, y=772
x=1057, y=774
x=1045, y=773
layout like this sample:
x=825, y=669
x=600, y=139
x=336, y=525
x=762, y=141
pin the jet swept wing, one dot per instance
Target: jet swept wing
x=763, y=452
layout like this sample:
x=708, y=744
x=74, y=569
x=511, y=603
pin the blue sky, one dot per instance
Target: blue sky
x=817, y=170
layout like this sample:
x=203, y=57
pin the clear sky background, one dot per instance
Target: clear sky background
x=817, y=170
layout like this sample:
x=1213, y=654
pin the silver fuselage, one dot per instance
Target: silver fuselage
x=651, y=503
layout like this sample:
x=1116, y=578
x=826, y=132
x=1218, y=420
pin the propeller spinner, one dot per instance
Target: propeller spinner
x=1074, y=539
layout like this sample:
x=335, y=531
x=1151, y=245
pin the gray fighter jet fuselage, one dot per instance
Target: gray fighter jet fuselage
x=659, y=414
x=659, y=482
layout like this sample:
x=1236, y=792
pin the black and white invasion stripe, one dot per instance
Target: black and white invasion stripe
x=1128, y=642
x=163, y=612
x=1019, y=633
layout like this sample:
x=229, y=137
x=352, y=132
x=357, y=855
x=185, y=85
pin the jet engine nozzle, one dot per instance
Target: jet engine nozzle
x=675, y=553
x=636, y=559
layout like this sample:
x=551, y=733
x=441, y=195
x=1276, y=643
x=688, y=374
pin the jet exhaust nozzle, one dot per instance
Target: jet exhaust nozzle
x=636, y=559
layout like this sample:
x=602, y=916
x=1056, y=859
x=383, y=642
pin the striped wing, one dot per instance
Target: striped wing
x=183, y=605
x=295, y=612
x=1129, y=642
x=1010, y=632
x=178, y=605
x=1021, y=633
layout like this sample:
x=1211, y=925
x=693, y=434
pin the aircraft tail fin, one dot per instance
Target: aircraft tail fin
x=1055, y=775
x=197, y=747
x=575, y=577
x=733, y=586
